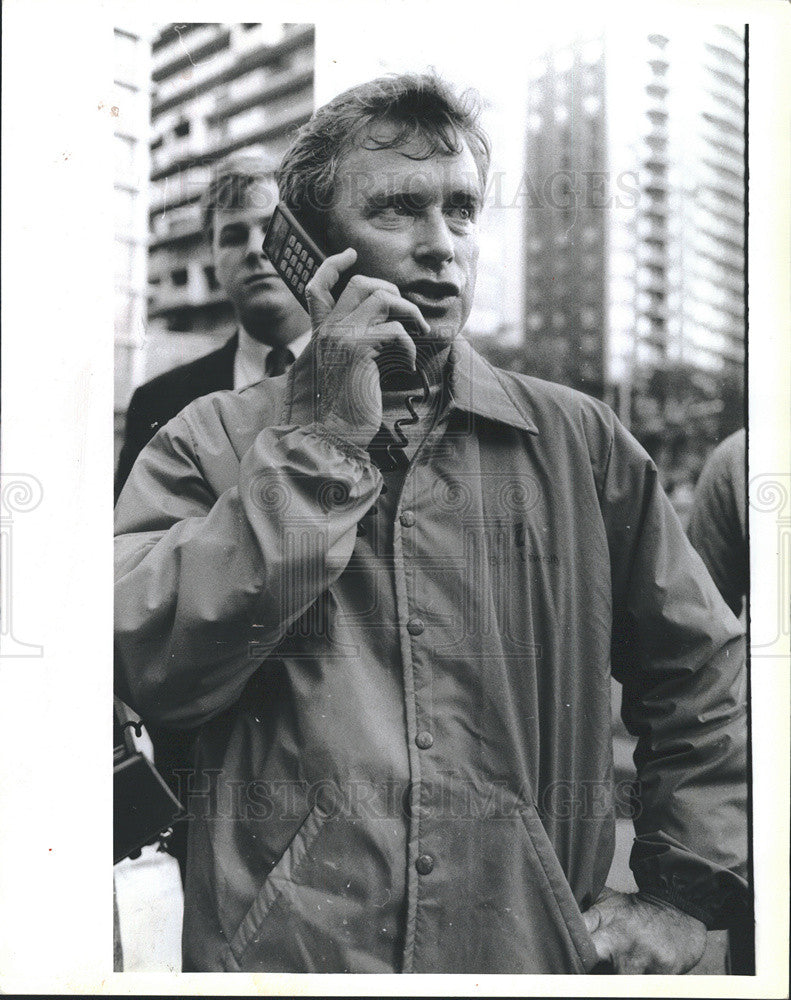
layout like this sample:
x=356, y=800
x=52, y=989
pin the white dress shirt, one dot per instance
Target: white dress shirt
x=250, y=359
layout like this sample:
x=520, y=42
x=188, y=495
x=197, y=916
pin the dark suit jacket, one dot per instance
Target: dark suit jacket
x=157, y=401
x=151, y=406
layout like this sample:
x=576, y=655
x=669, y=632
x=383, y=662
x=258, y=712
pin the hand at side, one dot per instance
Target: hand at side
x=641, y=937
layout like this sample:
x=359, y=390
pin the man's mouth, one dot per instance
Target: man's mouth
x=261, y=277
x=432, y=297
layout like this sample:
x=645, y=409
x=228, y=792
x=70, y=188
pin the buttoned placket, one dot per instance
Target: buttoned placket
x=414, y=629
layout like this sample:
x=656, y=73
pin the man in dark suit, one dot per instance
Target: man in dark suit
x=272, y=330
x=236, y=209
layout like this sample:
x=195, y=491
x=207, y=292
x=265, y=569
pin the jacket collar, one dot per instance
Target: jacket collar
x=475, y=387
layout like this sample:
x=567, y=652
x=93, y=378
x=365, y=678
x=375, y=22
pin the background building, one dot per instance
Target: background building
x=130, y=111
x=210, y=90
x=634, y=229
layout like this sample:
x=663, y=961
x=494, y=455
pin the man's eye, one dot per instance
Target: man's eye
x=232, y=238
x=399, y=208
x=394, y=212
x=465, y=213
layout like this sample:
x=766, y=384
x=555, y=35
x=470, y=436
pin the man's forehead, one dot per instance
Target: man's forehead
x=407, y=168
x=258, y=196
x=246, y=215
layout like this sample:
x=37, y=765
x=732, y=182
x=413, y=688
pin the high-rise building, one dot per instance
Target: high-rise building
x=635, y=233
x=217, y=89
x=130, y=113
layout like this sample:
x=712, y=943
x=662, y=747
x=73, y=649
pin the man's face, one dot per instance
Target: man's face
x=413, y=222
x=263, y=304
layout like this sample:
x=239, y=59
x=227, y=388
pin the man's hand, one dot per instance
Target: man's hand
x=643, y=938
x=348, y=337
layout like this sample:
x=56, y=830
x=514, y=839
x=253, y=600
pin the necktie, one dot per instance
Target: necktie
x=277, y=361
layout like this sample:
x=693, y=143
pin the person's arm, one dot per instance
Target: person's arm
x=716, y=526
x=679, y=654
x=206, y=585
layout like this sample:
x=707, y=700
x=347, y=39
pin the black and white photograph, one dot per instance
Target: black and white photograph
x=433, y=559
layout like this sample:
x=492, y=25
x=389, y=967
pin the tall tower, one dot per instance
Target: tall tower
x=566, y=194
x=130, y=111
x=635, y=261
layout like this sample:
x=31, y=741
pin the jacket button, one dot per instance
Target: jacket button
x=407, y=519
x=424, y=740
x=415, y=626
x=425, y=864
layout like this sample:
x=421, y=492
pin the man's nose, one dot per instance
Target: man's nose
x=434, y=239
x=255, y=242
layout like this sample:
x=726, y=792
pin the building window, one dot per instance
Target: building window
x=182, y=129
x=211, y=278
x=590, y=343
x=590, y=235
x=589, y=317
x=592, y=104
x=179, y=277
x=535, y=321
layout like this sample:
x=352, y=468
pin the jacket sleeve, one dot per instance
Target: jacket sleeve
x=207, y=585
x=716, y=527
x=680, y=655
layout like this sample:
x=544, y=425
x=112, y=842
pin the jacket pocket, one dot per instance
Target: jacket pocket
x=584, y=950
x=278, y=880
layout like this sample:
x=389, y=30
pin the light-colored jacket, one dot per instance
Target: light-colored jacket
x=405, y=758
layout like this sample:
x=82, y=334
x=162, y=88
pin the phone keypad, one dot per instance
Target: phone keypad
x=296, y=265
x=292, y=252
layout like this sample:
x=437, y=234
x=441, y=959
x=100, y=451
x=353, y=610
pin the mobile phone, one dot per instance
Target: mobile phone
x=295, y=255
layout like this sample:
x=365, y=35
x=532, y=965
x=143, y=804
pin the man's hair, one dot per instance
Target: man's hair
x=230, y=184
x=409, y=107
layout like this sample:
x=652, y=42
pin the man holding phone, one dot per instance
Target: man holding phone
x=400, y=666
